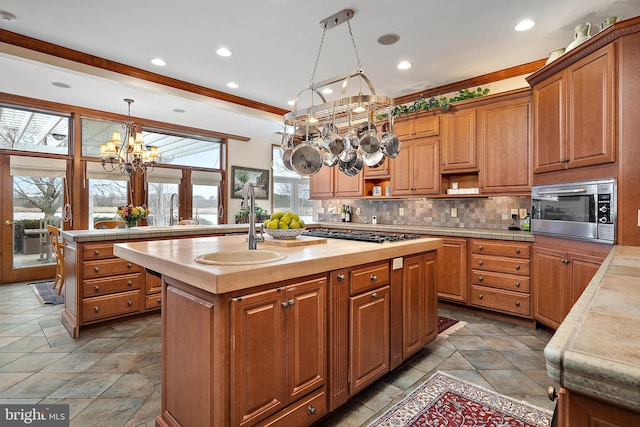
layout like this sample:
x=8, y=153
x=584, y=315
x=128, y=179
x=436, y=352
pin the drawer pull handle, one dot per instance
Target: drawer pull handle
x=96, y=252
x=129, y=303
x=96, y=269
x=159, y=300
x=374, y=295
x=517, y=267
x=129, y=283
x=373, y=277
x=480, y=296
x=96, y=288
x=518, y=250
x=311, y=410
x=340, y=277
x=129, y=265
x=517, y=303
x=480, y=278
x=480, y=247
x=480, y=262
x=96, y=309
x=551, y=393
x=517, y=284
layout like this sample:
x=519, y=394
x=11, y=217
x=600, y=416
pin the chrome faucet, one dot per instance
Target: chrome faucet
x=172, y=202
x=248, y=192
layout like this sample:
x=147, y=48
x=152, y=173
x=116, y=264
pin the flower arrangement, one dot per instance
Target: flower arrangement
x=132, y=214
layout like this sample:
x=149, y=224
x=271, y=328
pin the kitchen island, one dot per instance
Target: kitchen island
x=595, y=354
x=285, y=342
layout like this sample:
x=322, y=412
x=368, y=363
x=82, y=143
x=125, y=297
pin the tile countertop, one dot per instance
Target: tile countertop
x=596, y=350
x=175, y=258
x=202, y=230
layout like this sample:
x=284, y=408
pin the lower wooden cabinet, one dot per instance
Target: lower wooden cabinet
x=562, y=270
x=576, y=410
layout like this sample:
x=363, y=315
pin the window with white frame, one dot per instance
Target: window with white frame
x=205, y=204
x=107, y=191
x=162, y=196
x=290, y=190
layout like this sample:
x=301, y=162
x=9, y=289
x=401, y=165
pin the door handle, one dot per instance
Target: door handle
x=7, y=222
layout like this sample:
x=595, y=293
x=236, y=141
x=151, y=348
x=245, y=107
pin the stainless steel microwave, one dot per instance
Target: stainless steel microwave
x=584, y=210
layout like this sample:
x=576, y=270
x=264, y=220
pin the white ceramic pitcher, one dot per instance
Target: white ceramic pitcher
x=581, y=35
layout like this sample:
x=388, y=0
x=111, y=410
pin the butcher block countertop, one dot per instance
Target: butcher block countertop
x=596, y=350
x=175, y=258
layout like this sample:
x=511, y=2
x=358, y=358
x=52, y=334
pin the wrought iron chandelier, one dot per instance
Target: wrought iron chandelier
x=128, y=155
x=341, y=132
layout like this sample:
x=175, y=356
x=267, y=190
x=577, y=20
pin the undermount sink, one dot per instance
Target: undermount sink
x=240, y=257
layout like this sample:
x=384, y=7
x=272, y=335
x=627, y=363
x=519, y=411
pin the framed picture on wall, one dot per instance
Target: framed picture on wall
x=258, y=177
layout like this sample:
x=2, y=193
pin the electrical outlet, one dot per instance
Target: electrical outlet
x=514, y=212
x=401, y=211
x=454, y=212
x=332, y=210
x=523, y=213
x=357, y=211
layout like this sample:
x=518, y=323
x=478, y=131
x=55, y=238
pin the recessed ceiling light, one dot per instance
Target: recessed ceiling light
x=223, y=51
x=178, y=110
x=388, y=39
x=159, y=62
x=327, y=91
x=233, y=85
x=291, y=102
x=60, y=84
x=6, y=16
x=524, y=25
x=404, y=65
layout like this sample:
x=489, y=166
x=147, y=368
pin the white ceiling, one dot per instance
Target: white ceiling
x=274, y=45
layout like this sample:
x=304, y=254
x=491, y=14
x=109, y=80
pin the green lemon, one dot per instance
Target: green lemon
x=294, y=216
x=277, y=215
x=273, y=224
x=294, y=224
x=286, y=219
x=283, y=226
x=301, y=223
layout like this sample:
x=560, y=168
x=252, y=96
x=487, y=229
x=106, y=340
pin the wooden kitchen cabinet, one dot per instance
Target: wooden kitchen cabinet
x=574, y=114
x=330, y=183
x=500, y=274
x=418, y=125
x=562, y=270
x=452, y=270
x=278, y=353
x=505, y=135
x=575, y=409
x=458, y=139
x=415, y=171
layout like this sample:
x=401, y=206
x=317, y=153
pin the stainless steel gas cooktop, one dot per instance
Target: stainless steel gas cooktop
x=361, y=236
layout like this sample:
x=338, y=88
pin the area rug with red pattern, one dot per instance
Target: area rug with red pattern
x=446, y=401
x=447, y=326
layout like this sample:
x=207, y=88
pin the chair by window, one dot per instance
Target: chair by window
x=45, y=246
x=111, y=223
x=57, y=249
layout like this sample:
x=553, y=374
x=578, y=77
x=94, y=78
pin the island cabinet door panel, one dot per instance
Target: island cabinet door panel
x=579, y=410
x=369, y=336
x=306, y=337
x=257, y=357
x=414, y=301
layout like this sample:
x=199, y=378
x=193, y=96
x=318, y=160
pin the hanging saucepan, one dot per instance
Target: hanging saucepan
x=335, y=145
x=391, y=145
x=373, y=160
x=286, y=159
x=302, y=134
x=352, y=167
x=369, y=142
x=329, y=159
x=306, y=159
x=349, y=154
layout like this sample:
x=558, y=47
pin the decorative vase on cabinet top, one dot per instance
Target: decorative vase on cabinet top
x=555, y=54
x=581, y=35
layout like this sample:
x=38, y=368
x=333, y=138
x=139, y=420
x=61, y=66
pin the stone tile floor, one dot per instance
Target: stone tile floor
x=111, y=376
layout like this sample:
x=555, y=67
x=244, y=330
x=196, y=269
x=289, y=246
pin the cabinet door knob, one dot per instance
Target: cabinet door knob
x=292, y=302
x=480, y=278
x=517, y=303
x=159, y=300
x=480, y=247
x=340, y=277
x=96, y=252
x=517, y=267
x=129, y=303
x=480, y=262
x=311, y=410
x=96, y=269
x=374, y=295
x=285, y=304
x=96, y=309
x=129, y=283
x=518, y=250
x=565, y=261
x=373, y=277
x=551, y=393
x=96, y=288
x=517, y=284
x=480, y=296
x=129, y=265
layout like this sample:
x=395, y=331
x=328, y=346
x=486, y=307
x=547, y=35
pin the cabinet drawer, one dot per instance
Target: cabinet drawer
x=502, y=265
x=497, y=299
x=153, y=301
x=97, y=287
x=502, y=281
x=370, y=277
x=302, y=413
x=109, y=267
x=511, y=249
x=110, y=305
x=91, y=252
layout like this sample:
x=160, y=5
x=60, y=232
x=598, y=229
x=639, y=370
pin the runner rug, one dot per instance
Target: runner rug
x=46, y=294
x=447, y=326
x=447, y=401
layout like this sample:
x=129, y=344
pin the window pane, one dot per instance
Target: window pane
x=104, y=198
x=290, y=190
x=160, y=206
x=25, y=130
x=96, y=132
x=205, y=204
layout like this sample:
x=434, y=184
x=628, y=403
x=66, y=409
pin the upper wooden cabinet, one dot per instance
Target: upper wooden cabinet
x=574, y=114
x=330, y=182
x=415, y=170
x=504, y=143
x=416, y=126
x=458, y=138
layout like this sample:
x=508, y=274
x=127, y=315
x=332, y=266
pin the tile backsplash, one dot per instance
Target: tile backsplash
x=492, y=212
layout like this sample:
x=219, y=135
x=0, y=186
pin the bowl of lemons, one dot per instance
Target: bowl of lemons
x=284, y=225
